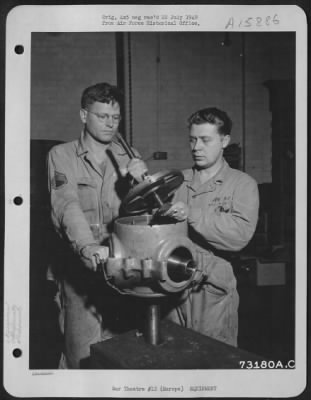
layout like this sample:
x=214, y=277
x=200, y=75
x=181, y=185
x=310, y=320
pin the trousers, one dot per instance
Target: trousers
x=81, y=325
x=211, y=307
x=91, y=312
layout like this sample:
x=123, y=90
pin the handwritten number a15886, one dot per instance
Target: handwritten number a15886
x=252, y=22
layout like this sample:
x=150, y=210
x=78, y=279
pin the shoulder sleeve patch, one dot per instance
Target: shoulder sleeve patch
x=59, y=180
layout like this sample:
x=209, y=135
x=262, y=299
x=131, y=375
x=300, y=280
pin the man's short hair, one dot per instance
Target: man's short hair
x=214, y=116
x=103, y=93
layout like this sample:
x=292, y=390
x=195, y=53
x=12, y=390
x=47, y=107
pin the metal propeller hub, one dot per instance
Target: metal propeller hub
x=153, y=193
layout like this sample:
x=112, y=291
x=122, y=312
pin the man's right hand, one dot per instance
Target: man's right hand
x=93, y=254
x=137, y=169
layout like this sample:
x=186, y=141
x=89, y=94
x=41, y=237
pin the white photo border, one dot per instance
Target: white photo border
x=18, y=379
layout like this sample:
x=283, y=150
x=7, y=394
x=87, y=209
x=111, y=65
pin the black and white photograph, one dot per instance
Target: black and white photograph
x=160, y=201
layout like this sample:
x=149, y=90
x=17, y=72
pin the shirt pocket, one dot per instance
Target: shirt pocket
x=224, y=207
x=87, y=192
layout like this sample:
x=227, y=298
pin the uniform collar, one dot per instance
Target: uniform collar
x=115, y=146
x=192, y=179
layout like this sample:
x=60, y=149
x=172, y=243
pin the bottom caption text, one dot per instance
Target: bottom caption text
x=163, y=388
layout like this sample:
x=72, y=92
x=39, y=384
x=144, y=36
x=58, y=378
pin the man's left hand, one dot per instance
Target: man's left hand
x=137, y=169
x=178, y=211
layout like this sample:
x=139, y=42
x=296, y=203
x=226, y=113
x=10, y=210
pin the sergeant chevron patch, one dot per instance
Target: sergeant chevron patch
x=59, y=180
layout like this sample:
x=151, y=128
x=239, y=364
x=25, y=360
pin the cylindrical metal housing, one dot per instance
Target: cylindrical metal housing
x=140, y=239
x=150, y=260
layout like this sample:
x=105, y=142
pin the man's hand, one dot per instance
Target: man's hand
x=137, y=168
x=92, y=255
x=178, y=211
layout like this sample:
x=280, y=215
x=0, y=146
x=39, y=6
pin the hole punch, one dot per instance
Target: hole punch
x=18, y=200
x=17, y=353
x=19, y=49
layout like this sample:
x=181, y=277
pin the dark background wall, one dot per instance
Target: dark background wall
x=171, y=76
x=62, y=65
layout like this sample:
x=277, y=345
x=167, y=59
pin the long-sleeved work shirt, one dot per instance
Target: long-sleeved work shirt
x=222, y=218
x=85, y=197
x=223, y=212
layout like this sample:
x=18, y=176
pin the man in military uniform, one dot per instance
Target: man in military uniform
x=221, y=207
x=87, y=179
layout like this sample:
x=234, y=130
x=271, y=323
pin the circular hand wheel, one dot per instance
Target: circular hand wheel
x=153, y=192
